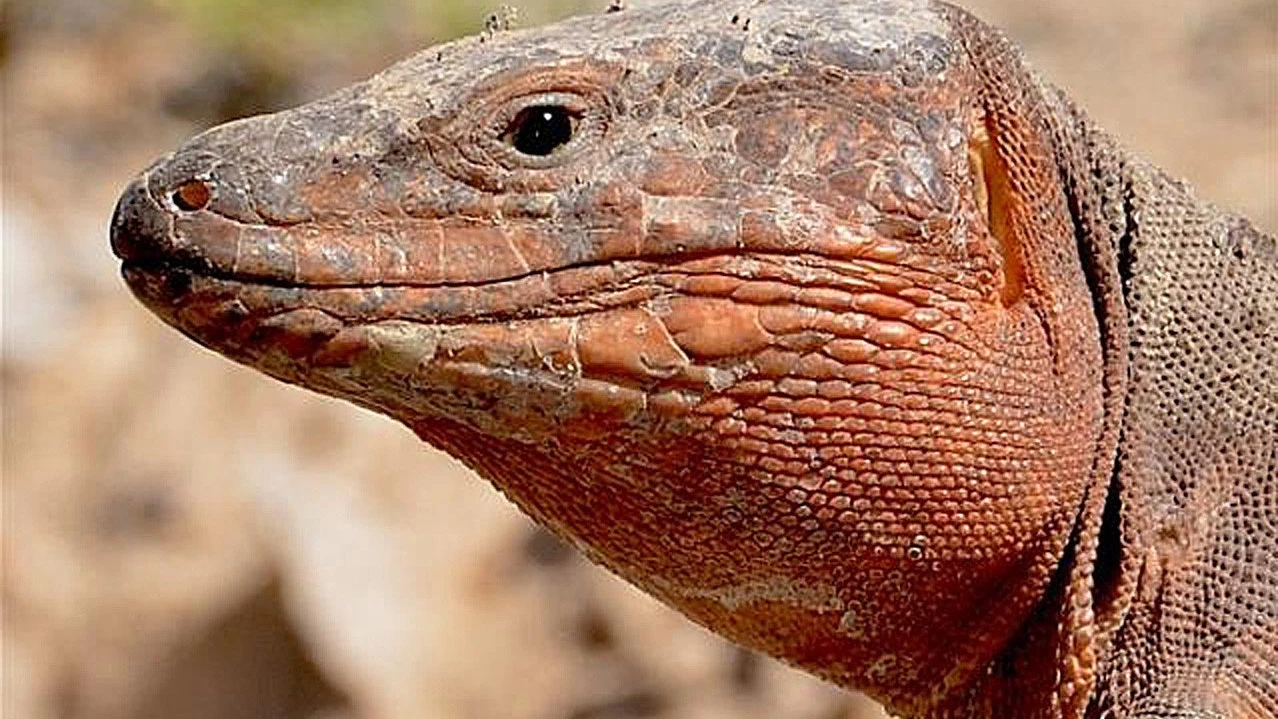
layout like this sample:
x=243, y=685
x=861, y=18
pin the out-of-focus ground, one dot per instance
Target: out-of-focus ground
x=186, y=540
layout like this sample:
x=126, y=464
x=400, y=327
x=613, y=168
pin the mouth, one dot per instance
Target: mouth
x=202, y=271
x=453, y=346
x=177, y=289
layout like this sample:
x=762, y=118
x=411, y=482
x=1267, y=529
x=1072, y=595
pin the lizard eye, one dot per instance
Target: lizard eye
x=529, y=131
x=541, y=129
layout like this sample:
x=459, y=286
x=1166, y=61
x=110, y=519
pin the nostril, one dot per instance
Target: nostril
x=192, y=196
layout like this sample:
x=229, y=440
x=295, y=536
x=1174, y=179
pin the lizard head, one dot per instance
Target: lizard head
x=760, y=305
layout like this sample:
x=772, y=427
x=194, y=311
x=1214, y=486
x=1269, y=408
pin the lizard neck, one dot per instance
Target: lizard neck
x=1178, y=555
x=1197, y=461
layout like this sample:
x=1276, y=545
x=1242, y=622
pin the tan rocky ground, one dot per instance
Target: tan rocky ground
x=184, y=539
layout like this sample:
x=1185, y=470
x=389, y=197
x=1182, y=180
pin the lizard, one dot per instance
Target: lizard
x=831, y=325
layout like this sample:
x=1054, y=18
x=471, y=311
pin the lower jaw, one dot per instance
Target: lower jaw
x=398, y=350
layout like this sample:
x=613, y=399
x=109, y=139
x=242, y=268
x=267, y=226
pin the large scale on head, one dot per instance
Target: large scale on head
x=761, y=304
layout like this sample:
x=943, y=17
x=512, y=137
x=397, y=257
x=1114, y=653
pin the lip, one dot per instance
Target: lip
x=193, y=298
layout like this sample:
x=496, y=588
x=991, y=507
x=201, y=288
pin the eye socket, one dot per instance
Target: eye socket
x=192, y=195
x=539, y=130
x=533, y=130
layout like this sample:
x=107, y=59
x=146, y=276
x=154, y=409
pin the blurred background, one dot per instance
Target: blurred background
x=184, y=539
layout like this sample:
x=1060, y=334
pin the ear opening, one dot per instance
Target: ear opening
x=997, y=202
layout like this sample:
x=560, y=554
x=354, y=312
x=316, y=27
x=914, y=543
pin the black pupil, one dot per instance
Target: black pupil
x=542, y=128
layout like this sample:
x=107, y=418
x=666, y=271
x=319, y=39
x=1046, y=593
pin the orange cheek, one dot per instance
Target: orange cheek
x=856, y=479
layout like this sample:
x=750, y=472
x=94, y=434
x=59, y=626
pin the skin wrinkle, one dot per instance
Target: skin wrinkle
x=239, y=248
x=514, y=250
x=777, y=447
x=274, y=143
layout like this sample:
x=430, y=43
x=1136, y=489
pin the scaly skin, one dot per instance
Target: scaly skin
x=819, y=328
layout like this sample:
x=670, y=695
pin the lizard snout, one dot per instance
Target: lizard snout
x=147, y=228
x=194, y=208
x=139, y=225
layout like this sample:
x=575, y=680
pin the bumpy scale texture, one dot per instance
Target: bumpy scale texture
x=827, y=323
